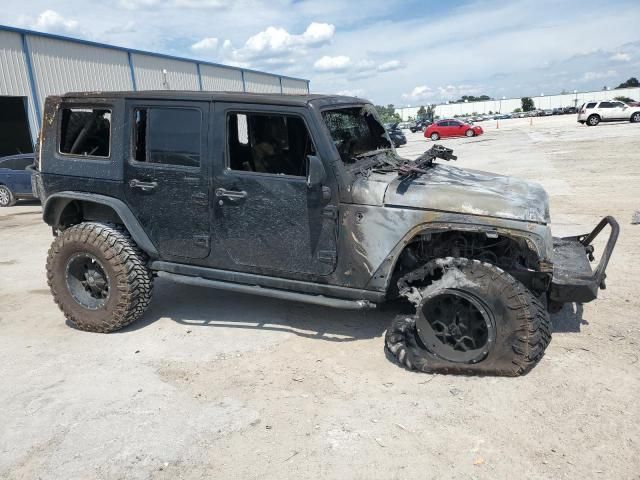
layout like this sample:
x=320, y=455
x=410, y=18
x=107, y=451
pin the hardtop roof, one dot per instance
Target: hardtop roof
x=239, y=97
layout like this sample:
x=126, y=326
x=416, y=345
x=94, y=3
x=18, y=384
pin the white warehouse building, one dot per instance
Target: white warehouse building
x=508, y=105
x=34, y=65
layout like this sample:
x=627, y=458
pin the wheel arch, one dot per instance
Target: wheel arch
x=66, y=208
x=383, y=277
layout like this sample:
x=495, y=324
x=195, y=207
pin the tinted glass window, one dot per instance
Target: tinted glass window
x=167, y=136
x=618, y=104
x=454, y=123
x=591, y=105
x=443, y=124
x=268, y=143
x=605, y=105
x=85, y=132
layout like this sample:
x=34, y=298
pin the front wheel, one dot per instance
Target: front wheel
x=98, y=277
x=435, y=136
x=7, y=198
x=469, y=133
x=635, y=118
x=471, y=318
x=593, y=120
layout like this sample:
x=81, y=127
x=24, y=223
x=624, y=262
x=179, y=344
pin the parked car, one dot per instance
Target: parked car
x=502, y=116
x=451, y=128
x=15, y=179
x=420, y=125
x=404, y=125
x=308, y=202
x=569, y=110
x=592, y=113
x=396, y=135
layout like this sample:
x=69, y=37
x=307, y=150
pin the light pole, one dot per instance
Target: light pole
x=503, y=98
x=575, y=100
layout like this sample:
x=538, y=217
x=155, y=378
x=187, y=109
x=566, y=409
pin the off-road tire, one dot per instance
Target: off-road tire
x=635, y=118
x=593, y=120
x=7, y=198
x=130, y=281
x=522, y=324
x=435, y=136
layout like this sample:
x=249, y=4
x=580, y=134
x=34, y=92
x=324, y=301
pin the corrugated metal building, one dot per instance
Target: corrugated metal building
x=34, y=65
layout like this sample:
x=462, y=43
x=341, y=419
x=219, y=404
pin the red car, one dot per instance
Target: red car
x=451, y=128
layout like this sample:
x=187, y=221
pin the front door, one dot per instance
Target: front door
x=167, y=184
x=266, y=216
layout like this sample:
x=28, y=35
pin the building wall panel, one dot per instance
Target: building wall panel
x=261, y=83
x=220, y=79
x=294, y=87
x=61, y=66
x=181, y=75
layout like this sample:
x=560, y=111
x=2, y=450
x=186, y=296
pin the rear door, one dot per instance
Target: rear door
x=167, y=180
x=267, y=218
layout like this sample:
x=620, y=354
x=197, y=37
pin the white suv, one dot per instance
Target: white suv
x=592, y=113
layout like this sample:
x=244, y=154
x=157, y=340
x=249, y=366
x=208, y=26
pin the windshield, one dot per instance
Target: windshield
x=356, y=132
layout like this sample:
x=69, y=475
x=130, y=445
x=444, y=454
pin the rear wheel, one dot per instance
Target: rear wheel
x=635, y=118
x=593, y=120
x=434, y=136
x=7, y=199
x=471, y=318
x=98, y=277
x=469, y=133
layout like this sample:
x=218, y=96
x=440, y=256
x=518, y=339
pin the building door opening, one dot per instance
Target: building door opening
x=15, y=134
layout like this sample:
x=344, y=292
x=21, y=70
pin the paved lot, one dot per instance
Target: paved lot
x=217, y=385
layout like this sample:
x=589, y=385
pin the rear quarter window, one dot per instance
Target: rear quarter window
x=591, y=105
x=85, y=132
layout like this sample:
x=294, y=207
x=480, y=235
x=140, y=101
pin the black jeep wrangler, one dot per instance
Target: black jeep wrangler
x=301, y=198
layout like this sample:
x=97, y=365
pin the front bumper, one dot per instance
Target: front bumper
x=573, y=279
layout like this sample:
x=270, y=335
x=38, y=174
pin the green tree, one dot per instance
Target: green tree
x=624, y=99
x=517, y=110
x=527, y=104
x=388, y=114
x=632, y=82
x=422, y=111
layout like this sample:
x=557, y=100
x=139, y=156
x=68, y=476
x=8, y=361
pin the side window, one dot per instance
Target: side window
x=591, y=105
x=16, y=163
x=85, y=132
x=605, y=105
x=268, y=143
x=618, y=104
x=454, y=123
x=167, y=136
x=443, y=124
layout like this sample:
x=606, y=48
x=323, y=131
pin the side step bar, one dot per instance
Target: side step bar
x=270, y=292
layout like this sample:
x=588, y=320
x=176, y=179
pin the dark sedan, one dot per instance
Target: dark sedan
x=15, y=179
x=395, y=134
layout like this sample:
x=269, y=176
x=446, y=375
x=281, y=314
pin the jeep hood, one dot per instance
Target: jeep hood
x=449, y=189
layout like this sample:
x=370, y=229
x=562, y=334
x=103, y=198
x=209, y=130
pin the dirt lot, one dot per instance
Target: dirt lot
x=217, y=385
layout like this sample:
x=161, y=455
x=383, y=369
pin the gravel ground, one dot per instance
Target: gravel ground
x=212, y=384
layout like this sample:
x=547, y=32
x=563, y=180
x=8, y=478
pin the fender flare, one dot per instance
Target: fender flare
x=56, y=203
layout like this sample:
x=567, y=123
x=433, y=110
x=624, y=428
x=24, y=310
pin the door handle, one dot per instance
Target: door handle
x=231, y=194
x=144, y=186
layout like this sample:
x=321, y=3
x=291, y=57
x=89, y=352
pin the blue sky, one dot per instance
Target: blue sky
x=402, y=52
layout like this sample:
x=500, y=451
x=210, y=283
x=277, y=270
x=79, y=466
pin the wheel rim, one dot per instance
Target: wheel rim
x=434, y=136
x=636, y=117
x=469, y=133
x=87, y=281
x=4, y=196
x=593, y=121
x=456, y=326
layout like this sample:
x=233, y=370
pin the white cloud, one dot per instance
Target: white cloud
x=456, y=91
x=597, y=75
x=390, y=66
x=332, y=64
x=421, y=92
x=358, y=92
x=208, y=44
x=135, y=4
x=275, y=41
x=201, y=3
x=128, y=27
x=52, y=21
x=621, y=57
